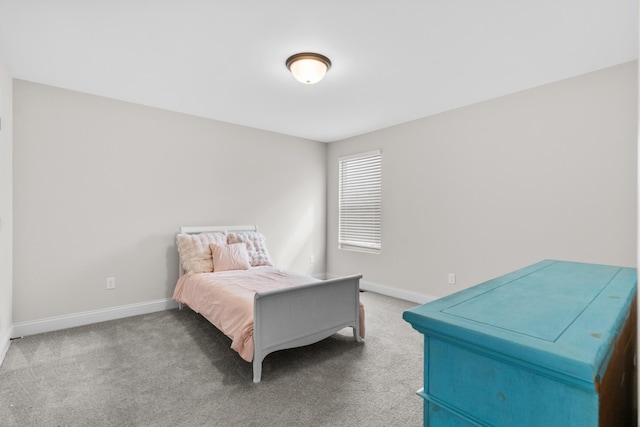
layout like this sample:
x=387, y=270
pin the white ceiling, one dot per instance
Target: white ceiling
x=393, y=60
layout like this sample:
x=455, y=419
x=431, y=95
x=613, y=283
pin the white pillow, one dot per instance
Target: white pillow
x=230, y=257
x=256, y=246
x=195, y=252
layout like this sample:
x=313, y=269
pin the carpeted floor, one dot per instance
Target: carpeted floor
x=173, y=368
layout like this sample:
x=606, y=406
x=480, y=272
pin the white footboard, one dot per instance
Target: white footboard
x=302, y=315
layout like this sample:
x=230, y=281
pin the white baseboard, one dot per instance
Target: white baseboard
x=385, y=290
x=85, y=318
x=51, y=324
x=4, y=344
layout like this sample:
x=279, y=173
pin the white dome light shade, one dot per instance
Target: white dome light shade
x=308, y=71
x=307, y=67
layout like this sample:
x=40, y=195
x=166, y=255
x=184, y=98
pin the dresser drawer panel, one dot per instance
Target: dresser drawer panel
x=500, y=393
x=437, y=416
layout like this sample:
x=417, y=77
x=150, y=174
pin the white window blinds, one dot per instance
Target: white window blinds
x=360, y=202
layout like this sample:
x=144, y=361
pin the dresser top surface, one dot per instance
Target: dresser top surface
x=556, y=314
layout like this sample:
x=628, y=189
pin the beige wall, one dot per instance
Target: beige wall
x=483, y=190
x=102, y=186
x=6, y=209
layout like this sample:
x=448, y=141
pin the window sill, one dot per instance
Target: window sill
x=359, y=249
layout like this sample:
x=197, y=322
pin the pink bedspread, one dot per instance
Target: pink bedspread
x=225, y=298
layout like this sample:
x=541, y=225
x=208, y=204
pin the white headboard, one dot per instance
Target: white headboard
x=210, y=228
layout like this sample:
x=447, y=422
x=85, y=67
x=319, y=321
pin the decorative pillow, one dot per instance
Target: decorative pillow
x=230, y=257
x=195, y=252
x=256, y=246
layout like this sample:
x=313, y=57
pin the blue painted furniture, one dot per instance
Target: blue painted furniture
x=552, y=344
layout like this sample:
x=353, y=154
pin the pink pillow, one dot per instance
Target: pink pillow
x=230, y=257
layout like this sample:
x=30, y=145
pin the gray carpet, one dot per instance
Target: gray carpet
x=173, y=368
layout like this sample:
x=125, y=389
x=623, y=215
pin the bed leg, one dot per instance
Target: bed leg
x=257, y=370
x=356, y=334
x=180, y=306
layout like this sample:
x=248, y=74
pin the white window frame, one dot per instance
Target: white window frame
x=360, y=202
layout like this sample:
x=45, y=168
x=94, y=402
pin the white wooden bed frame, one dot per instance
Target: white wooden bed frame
x=299, y=315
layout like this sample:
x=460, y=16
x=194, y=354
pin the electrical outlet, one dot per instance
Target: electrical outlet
x=111, y=282
x=311, y=259
x=452, y=278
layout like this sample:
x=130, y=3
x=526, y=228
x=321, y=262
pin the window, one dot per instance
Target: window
x=359, y=206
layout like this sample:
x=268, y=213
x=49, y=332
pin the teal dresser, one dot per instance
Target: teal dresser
x=552, y=344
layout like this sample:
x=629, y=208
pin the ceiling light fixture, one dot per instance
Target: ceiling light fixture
x=308, y=67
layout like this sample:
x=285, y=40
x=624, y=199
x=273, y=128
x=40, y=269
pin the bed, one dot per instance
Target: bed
x=227, y=276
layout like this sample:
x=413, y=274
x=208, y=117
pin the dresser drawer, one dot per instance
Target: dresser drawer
x=499, y=393
x=437, y=416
